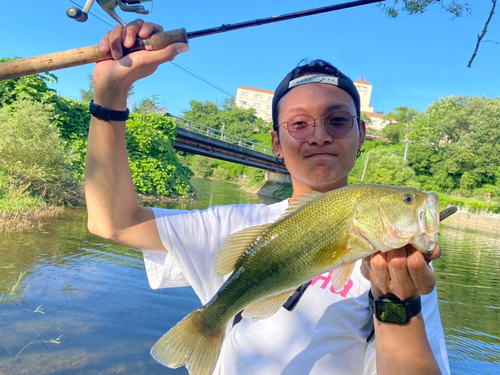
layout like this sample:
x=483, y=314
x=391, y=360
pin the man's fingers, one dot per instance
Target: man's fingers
x=421, y=274
x=379, y=274
x=116, y=42
x=148, y=29
x=401, y=284
x=104, y=45
x=130, y=32
x=434, y=255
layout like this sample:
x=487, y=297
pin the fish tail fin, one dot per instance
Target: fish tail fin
x=192, y=344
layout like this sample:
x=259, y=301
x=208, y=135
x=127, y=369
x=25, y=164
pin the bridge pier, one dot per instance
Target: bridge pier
x=277, y=177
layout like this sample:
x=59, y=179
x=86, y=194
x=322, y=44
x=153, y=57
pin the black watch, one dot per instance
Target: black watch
x=392, y=310
x=106, y=114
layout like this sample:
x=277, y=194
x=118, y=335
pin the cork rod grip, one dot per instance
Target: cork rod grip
x=85, y=55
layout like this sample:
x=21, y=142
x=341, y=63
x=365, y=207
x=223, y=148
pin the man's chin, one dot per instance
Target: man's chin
x=323, y=183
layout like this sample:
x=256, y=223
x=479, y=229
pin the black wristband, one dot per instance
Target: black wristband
x=390, y=309
x=106, y=114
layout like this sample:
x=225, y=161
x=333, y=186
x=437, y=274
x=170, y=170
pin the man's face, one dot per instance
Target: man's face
x=320, y=162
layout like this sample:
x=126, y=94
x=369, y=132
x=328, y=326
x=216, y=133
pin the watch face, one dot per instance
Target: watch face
x=392, y=312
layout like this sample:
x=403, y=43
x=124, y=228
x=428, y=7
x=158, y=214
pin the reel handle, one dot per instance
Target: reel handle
x=85, y=55
x=77, y=14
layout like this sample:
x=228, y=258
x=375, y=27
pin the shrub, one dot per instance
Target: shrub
x=33, y=156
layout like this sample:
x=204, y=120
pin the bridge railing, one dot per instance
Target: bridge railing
x=220, y=135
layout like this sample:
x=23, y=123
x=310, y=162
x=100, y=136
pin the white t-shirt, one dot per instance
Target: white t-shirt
x=326, y=332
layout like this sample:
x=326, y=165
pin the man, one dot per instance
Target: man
x=327, y=332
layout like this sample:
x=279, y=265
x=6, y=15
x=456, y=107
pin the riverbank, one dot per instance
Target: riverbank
x=27, y=219
x=480, y=221
x=270, y=189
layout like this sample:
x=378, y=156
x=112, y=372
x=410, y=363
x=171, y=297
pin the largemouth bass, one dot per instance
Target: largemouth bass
x=319, y=232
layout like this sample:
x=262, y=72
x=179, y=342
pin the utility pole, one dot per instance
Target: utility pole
x=364, y=169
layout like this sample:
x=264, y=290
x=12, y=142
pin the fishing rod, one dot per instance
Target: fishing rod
x=92, y=54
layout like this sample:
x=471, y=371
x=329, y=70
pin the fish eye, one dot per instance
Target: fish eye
x=408, y=199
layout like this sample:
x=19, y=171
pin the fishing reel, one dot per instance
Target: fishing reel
x=81, y=15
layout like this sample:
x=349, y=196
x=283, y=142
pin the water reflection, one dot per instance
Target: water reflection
x=468, y=285
x=95, y=294
x=92, y=292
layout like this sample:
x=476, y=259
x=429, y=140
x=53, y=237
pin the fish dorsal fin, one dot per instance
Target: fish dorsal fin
x=233, y=248
x=301, y=201
x=341, y=276
x=266, y=307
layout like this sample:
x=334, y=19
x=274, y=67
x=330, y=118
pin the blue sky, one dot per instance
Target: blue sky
x=409, y=61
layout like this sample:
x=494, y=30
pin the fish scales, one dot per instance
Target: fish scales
x=278, y=261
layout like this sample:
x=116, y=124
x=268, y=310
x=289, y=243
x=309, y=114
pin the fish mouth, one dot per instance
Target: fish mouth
x=428, y=225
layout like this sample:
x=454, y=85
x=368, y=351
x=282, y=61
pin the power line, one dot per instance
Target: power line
x=201, y=78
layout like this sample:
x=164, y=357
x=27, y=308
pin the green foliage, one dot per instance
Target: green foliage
x=153, y=161
x=385, y=166
x=87, y=95
x=456, y=141
x=458, y=8
x=395, y=132
x=469, y=204
x=33, y=156
x=202, y=166
x=28, y=87
x=400, y=123
x=228, y=117
x=233, y=120
x=149, y=105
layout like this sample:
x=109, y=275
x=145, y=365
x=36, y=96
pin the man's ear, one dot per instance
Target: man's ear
x=362, y=133
x=276, y=143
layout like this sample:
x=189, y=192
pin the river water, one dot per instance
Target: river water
x=84, y=305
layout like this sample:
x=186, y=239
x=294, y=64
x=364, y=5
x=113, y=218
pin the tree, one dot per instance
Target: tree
x=235, y=120
x=88, y=95
x=149, y=105
x=458, y=8
x=456, y=141
x=33, y=156
x=400, y=123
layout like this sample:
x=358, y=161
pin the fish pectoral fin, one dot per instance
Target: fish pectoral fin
x=301, y=201
x=233, y=248
x=341, y=276
x=266, y=307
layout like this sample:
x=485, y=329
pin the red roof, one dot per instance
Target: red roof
x=373, y=114
x=255, y=89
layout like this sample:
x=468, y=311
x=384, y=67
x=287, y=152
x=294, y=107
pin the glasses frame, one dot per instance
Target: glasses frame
x=316, y=124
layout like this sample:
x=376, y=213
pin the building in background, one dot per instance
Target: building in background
x=377, y=121
x=258, y=99
x=261, y=100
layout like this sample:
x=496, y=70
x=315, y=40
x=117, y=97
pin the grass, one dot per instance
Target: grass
x=470, y=204
x=25, y=213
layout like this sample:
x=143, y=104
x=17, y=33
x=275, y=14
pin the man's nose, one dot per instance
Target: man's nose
x=320, y=135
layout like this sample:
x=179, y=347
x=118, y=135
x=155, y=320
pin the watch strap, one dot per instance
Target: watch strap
x=413, y=308
x=106, y=114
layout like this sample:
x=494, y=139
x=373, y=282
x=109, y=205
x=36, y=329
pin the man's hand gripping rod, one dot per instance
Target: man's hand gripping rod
x=92, y=54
